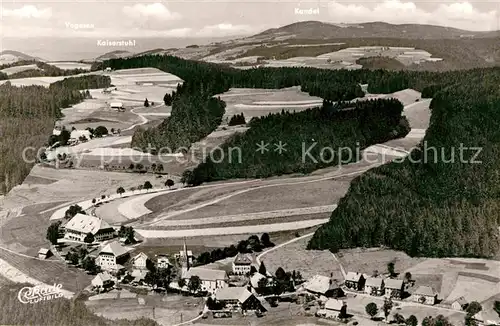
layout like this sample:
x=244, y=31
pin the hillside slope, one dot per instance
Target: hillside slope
x=318, y=30
x=445, y=201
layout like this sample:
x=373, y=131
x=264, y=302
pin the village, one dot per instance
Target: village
x=244, y=287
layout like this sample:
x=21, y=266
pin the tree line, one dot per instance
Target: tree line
x=343, y=129
x=27, y=117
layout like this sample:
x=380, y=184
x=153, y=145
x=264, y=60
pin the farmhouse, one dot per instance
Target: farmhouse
x=211, y=279
x=374, y=286
x=139, y=261
x=393, y=288
x=335, y=308
x=242, y=264
x=80, y=225
x=322, y=285
x=425, y=295
x=112, y=256
x=459, y=304
x=43, y=253
x=355, y=281
x=102, y=281
x=238, y=298
x=117, y=106
x=162, y=261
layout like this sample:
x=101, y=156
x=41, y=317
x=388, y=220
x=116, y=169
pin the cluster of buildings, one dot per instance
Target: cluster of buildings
x=389, y=287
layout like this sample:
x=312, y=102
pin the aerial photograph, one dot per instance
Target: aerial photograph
x=253, y=162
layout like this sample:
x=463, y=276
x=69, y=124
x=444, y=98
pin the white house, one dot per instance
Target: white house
x=425, y=295
x=138, y=275
x=139, y=261
x=334, y=307
x=242, y=264
x=118, y=106
x=211, y=279
x=374, y=286
x=43, y=253
x=393, y=288
x=323, y=285
x=112, y=256
x=102, y=280
x=80, y=225
x=238, y=298
x=162, y=261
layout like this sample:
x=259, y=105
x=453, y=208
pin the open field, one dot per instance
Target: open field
x=265, y=199
x=369, y=260
x=307, y=262
x=70, y=65
x=13, y=70
x=168, y=310
x=46, y=271
x=255, y=102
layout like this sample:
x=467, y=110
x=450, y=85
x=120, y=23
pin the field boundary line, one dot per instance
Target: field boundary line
x=282, y=245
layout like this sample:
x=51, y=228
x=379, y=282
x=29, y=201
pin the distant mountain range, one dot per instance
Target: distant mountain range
x=10, y=56
x=321, y=30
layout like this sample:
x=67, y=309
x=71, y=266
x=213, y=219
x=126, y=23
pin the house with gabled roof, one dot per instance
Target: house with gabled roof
x=102, y=281
x=242, y=264
x=323, y=285
x=80, y=225
x=374, y=286
x=393, y=288
x=162, y=261
x=355, y=281
x=211, y=279
x=44, y=253
x=112, y=256
x=139, y=261
x=459, y=304
x=238, y=298
x=425, y=295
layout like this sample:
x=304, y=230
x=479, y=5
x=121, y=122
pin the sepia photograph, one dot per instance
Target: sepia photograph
x=253, y=162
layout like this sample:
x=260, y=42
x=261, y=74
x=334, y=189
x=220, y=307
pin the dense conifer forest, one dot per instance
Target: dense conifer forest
x=312, y=139
x=446, y=202
x=55, y=312
x=429, y=209
x=27, y=117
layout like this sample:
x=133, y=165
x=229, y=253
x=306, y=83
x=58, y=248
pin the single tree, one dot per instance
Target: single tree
x=265, y=240
x=388, y=304
x=411, y=321
x=53, y=232
x=390, y=268
x=262, y=283
x=181, y=282
x=89, y=265
x=408, y=276
x=194, y=284
x=73, y=210
x=132, y=189
x=131, y=166
x=103, y=197
x=473, y=308
x=150, y=265
x=496, y=307
x=89, y=238
x=399, y=319
x=120, y=191
x=187, y=177
x=146, y=103
x=100, y=131
x=169, y=183
x=94, y=201
x=262, y=269
x=371, y=309
x=147, y=185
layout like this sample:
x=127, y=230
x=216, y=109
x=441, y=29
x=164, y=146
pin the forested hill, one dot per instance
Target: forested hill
x=443, y=205
x=27, y=117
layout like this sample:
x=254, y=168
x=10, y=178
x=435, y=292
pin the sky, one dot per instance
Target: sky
x=107, y=19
